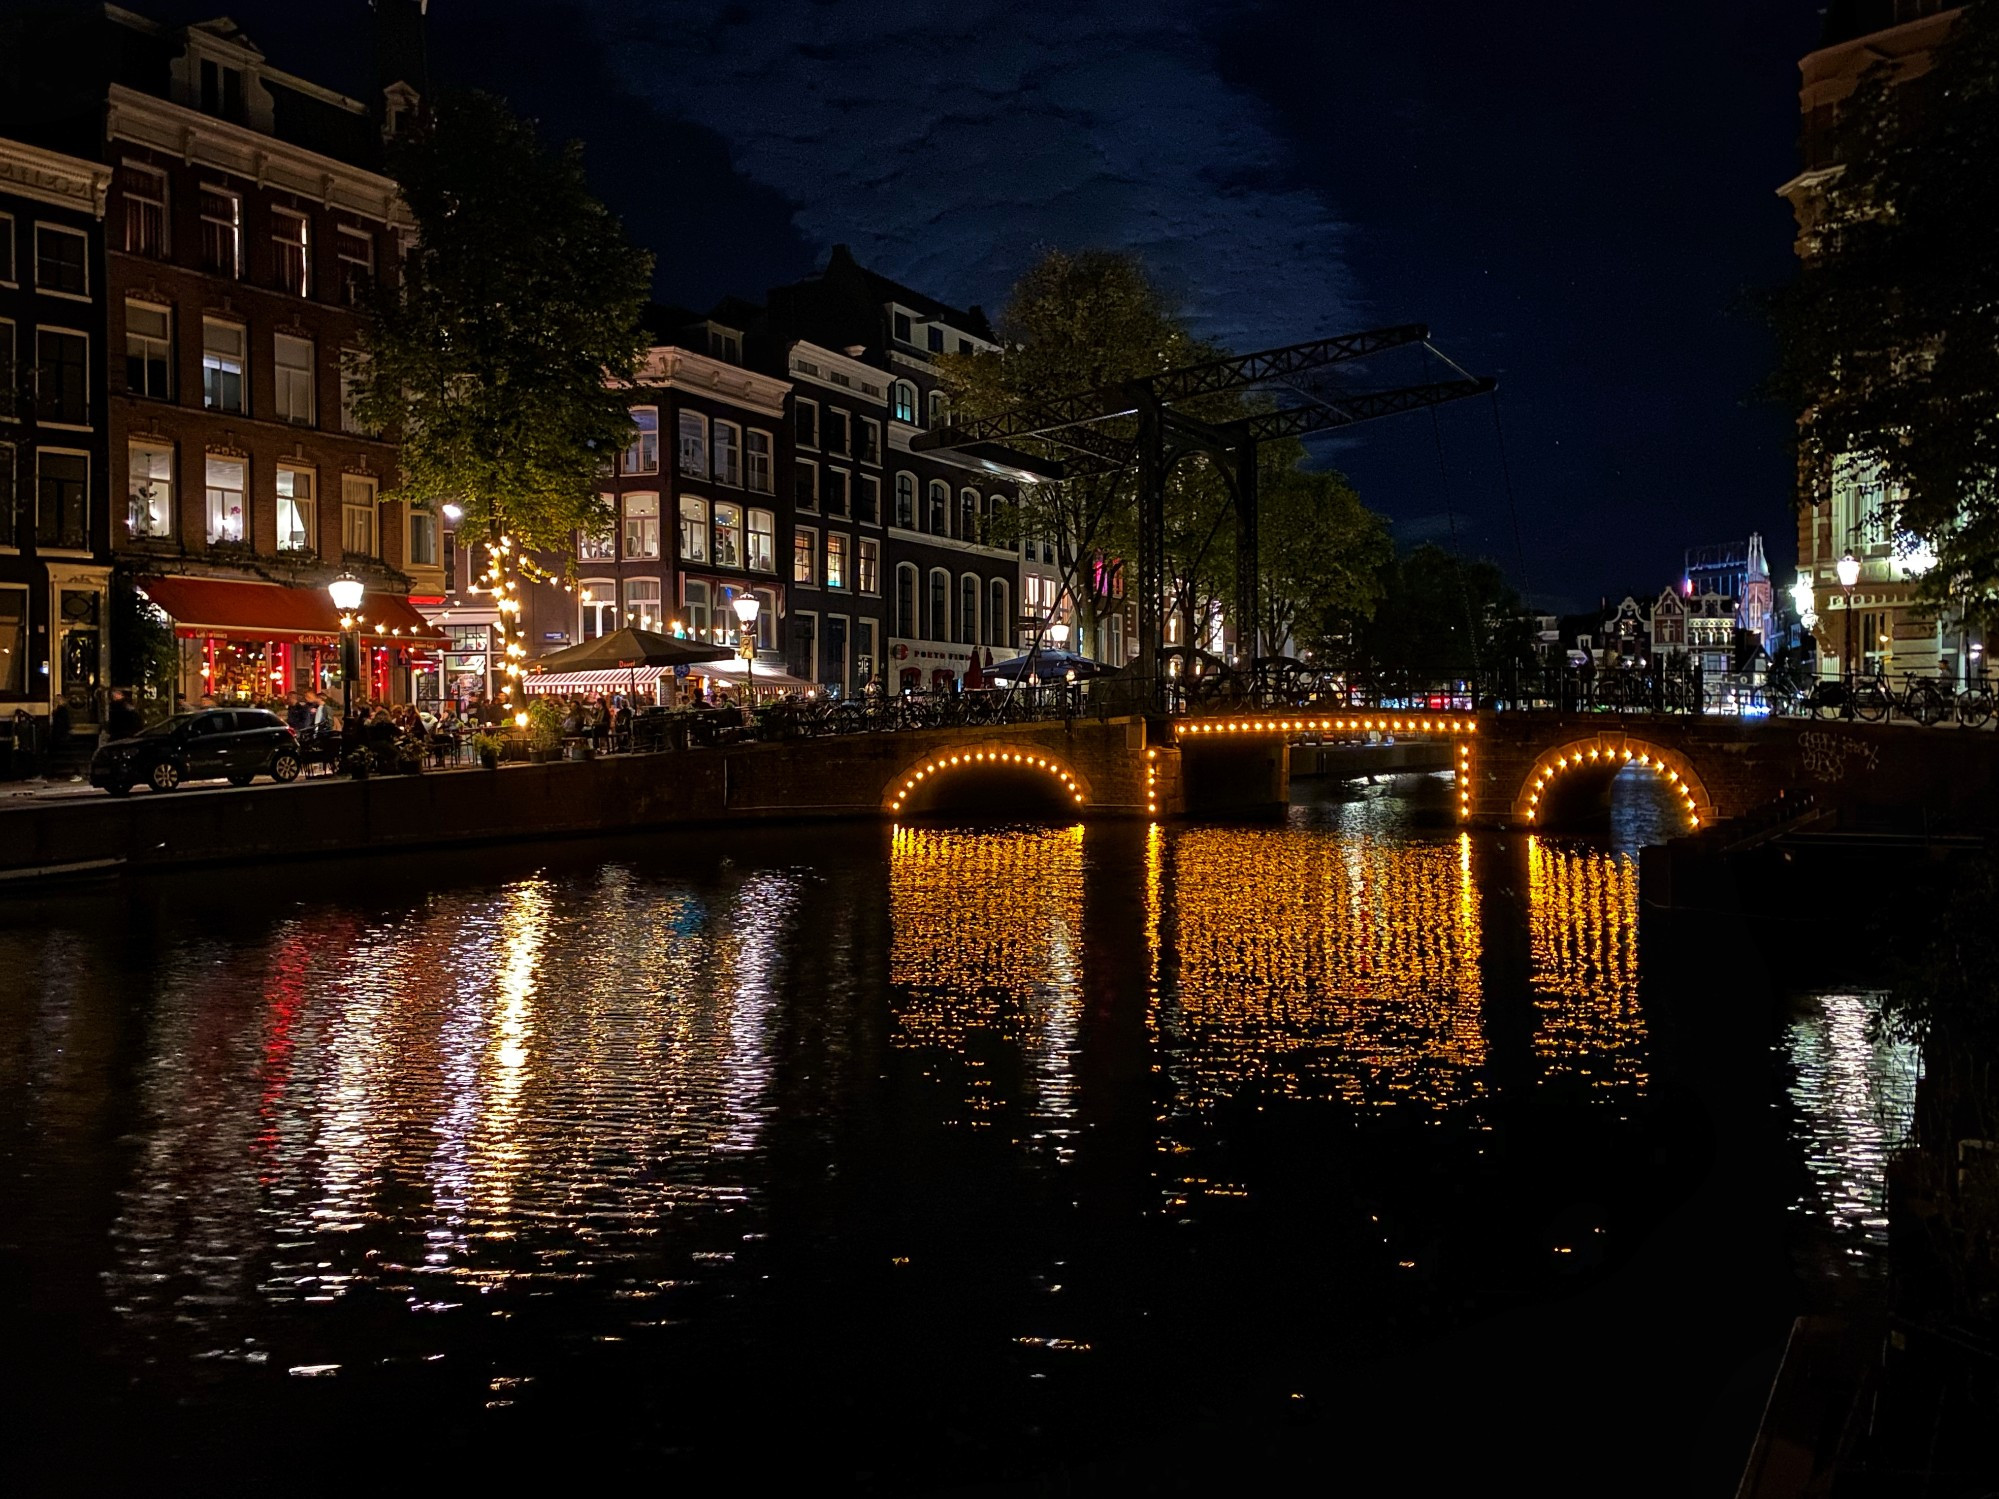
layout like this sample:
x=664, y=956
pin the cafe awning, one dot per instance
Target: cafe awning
x=766, y=678
x=616, y=679
x=268, y=611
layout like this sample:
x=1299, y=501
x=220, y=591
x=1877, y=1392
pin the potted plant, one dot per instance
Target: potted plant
x=487, y=747
x=544, y=728
x=358, y=763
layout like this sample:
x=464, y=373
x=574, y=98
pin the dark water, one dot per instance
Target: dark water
x=869, y=1161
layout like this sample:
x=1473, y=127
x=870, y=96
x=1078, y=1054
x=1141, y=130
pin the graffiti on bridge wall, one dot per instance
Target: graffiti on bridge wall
x=1826, y=757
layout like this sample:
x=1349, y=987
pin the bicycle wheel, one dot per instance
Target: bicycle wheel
x=1870, y=702
x=1974, y=708
x=1926, y=704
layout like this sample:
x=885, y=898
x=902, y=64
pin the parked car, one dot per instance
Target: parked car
x=237, y=743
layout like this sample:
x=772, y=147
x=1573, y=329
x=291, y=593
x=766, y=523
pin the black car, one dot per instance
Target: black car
x=239, y=743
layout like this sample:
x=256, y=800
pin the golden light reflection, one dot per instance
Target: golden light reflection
x=524, y=923
x=1316, y=963
x=987, y=944
x=1583, y=920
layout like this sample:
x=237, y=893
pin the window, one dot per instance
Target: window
x=940, y=508
x=63, y=381
x=905, y=501
x=223, y=371
x=728, y=455
x=757, y=465
x=905, y=599
x=940, y=411
x=805, y=481
x=694, y=603
x=868, y=447
x=227, y=482
x=357, y=515
x=10, y=520
x=996, y=612
x=642, y=457
x=353, y=369
x=902, y=402
x=804, y=562
x=641, y=515
x=805, y=420
x=62, y=260
x=940, y=605
x=9, y=409
x=728, y=548
x=837, y=430
x=833, y=492
x=221, y=231
x=599, y=546
x=968, y=515
x=296, y=531
x=968, y=609
x=291, y=244
x=836, y=561
x=149, y=476
x=864, y=653
x=423, y=539
x=693, y=529
x=149, y=363
x=694, y=444
x=7, y=247
x=598, y=600
x=725, y=346
x=13, y=641
x=903, y=330
x=766, y=618
x=62, y=500
x=354, y=244
x=762, y=554
x=936, y=338
x=296, y=401
x=868, y=565
x=642, y=606
x=868, y=499
x=221, y=91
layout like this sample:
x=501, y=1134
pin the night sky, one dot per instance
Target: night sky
x=1579, y=199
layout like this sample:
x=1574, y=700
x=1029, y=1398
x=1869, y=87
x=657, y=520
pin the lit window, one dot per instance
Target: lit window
x=868, y=566
x=598, y=599
x=600, y=546
x=694, y=605
x=296, y=531
x=228, y=523
x=836, y=561
x=642, y=603
x=693, y=529
x=358, y=496
x=762, y=555
x=728, y=545
x=902, y=402
x=149, y=365
x=642, y=526
x=295, y=387
x=804, y=561
x=150, y=474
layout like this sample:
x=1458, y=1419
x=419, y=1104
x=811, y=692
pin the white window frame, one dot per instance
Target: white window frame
x=641, y=454
x=208, y=350
x=219, y=524
x=295, y=386
x=798, y=413
x=297, y=281
x=10, y=270
x=936, y=493
x=690, y=444
x=909, y=623
x=869, y=451
x=840, y=544
x=692, y=526
x=345, y=237
x=360, y=506
x=230, y=229
x=902, y=397
x=725, y=452
x=635, y=607
x=969, y=631
x=699, y=617
x=930, y=610
x=415, y=520
x=159, y=507
x=759, y=469
x=148, y=346
x=999, y=609
x=599, y=597
x=640, y=534
x=42, y=228
x=760, y=525
x=868, y=566
x=603, y=547
x=725, y=541
x=305, y=511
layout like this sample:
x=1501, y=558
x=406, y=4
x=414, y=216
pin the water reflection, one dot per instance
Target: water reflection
x=1854, y=1095
x=1583, y=920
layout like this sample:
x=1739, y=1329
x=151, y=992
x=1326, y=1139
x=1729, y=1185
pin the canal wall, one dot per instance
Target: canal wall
x=855, y=776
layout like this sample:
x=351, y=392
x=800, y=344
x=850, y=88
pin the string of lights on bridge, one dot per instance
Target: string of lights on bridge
x=938, y=764
x=1552, y=766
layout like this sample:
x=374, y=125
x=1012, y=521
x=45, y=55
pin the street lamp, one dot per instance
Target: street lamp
x=747, y=606
x=1849, y=574
x=346, y=591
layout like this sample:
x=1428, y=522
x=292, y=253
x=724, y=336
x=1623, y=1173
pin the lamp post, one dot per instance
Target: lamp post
x=347, y=591
x=747, y=606
x=1849, y=574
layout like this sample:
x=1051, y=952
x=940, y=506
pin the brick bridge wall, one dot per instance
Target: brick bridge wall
x=1726, y=767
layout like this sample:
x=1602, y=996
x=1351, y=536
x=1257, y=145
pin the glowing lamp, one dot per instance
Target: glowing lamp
x=1849, y=570
x=346, y=591
x=520, y=720
x=454, y=513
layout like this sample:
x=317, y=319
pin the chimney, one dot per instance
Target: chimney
x=400, y=59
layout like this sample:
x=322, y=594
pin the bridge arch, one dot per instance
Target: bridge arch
x=1611, y=751
x=911, y=789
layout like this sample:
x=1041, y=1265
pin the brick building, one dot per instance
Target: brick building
x=247, y=217
x=55, y=533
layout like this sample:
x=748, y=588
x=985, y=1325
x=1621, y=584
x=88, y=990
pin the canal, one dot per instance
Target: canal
x=984, y=1158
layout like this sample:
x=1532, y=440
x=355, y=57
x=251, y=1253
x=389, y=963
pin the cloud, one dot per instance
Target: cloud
x=949, y=141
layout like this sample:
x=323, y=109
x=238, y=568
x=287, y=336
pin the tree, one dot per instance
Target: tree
x=1889, y=338
x=496, y=354
x=1322, y=567
x=1441, y=618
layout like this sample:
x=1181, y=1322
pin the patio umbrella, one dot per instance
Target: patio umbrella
x=630, y=649
x=1050, y=666
x=974, y=680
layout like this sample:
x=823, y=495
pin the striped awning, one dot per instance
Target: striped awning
x=613, y=679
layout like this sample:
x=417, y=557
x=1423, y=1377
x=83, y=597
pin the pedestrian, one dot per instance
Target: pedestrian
x=123, y=721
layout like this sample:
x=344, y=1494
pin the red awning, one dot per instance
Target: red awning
x=266, y=611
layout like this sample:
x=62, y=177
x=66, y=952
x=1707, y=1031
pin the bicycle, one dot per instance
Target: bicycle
x=1974, y=703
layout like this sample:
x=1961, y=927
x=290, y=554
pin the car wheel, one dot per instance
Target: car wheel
x=118, y=788
x=165, y=776
x=284, y=767
x=241, y=778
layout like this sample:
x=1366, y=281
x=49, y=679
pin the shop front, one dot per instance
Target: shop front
x=259, y=642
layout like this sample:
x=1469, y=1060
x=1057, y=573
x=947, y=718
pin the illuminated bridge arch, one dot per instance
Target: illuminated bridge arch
x=1603, y=756
x=914, y=787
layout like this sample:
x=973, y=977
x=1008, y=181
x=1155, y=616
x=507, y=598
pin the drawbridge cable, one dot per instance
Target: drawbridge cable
x=1450, y=516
